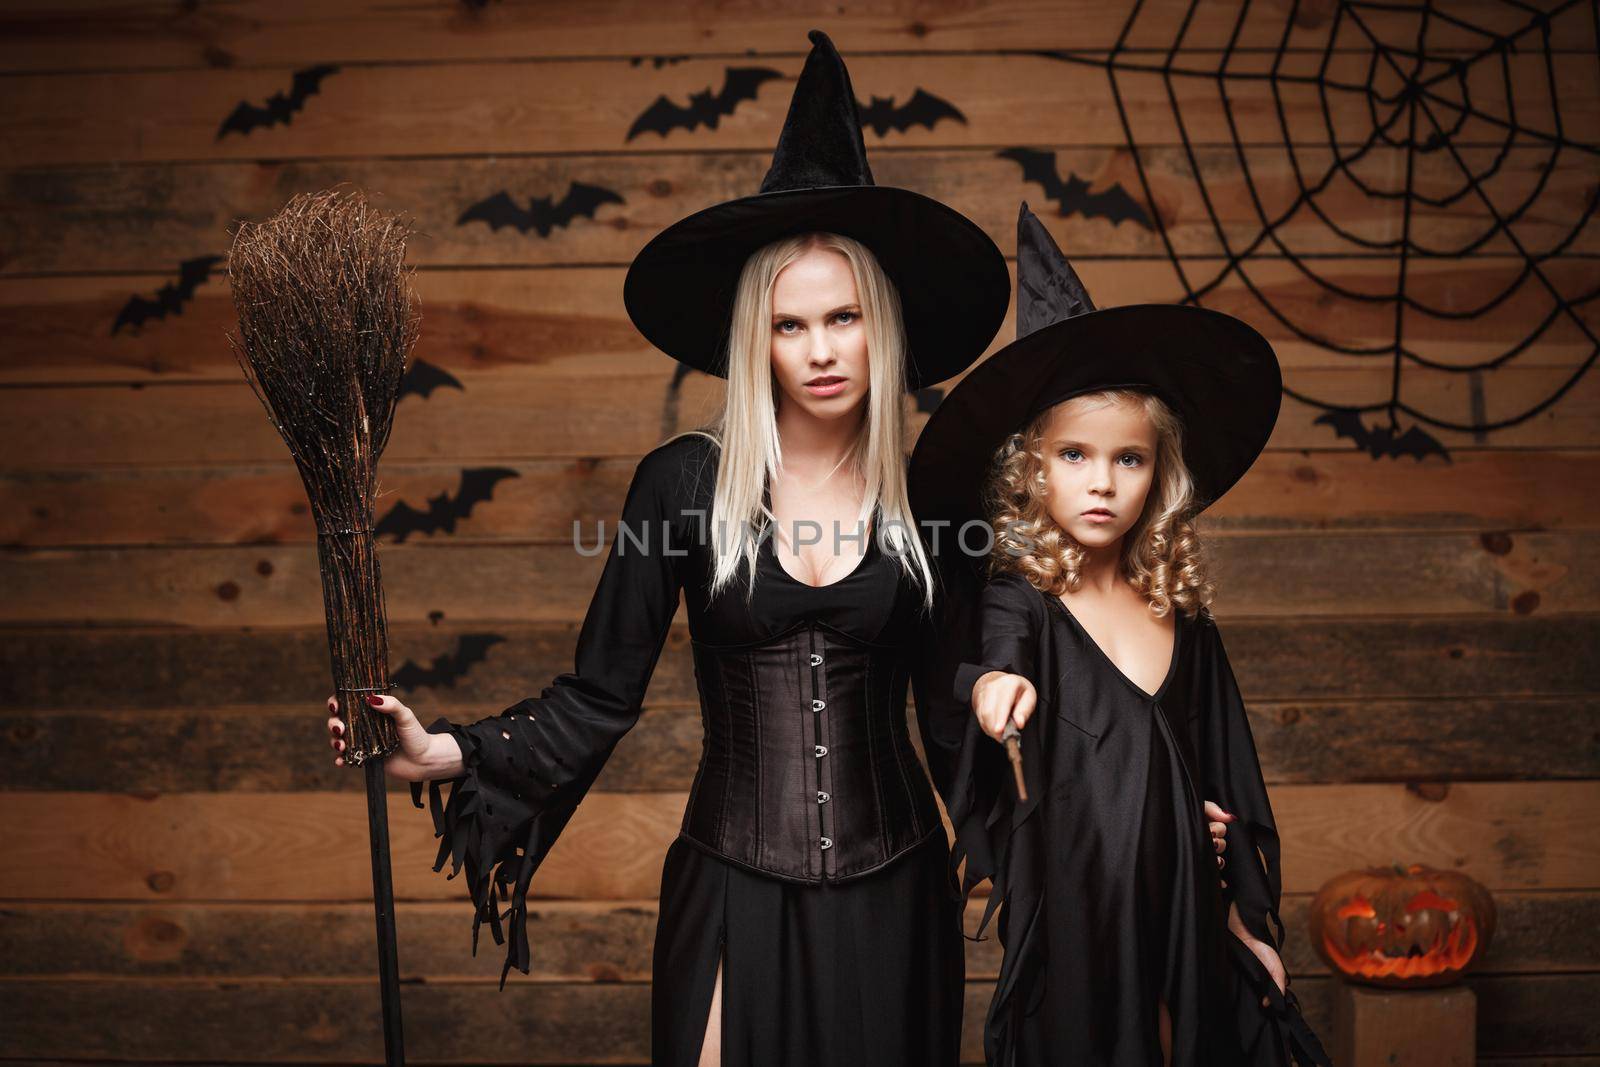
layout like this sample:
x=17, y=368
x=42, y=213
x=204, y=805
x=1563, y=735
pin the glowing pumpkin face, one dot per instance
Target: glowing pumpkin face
x=1402, y=926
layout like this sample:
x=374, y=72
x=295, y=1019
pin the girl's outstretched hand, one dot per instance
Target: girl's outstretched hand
x=1217, y=823
x=416, y=744
x=1263, y=951
x=998, y=697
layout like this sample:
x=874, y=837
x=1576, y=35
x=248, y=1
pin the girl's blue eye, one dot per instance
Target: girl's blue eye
x=1134, y=457
x=1068, y=454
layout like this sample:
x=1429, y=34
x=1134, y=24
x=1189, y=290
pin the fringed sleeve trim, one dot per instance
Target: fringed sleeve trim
x=986, y=814
x=488, y=823
x=1281, y=1022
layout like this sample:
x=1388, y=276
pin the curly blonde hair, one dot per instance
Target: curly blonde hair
x=1162, y=556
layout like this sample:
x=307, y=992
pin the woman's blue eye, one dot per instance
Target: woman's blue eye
x=847, y=316
x=783, y=327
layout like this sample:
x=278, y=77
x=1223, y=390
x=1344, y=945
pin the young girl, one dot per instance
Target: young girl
x=1124, y=944
x=807, y=914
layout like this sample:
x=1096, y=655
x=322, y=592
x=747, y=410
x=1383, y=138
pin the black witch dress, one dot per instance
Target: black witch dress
x=812, y=860
x=1112, y=899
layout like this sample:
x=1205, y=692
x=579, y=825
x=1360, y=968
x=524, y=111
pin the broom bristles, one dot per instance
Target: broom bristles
x=327, y=320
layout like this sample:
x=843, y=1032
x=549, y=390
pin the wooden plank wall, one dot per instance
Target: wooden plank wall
x=184, y=873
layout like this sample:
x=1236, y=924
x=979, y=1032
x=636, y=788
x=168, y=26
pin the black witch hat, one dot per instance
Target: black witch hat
x=1216, y=372
x=951, y=278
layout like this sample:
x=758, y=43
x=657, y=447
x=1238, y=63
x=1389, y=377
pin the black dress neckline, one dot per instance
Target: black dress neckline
x=772, y=554
x=1172, y=664
x=858, y=569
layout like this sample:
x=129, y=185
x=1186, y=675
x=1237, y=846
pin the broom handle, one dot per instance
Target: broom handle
x=394, y=1050
x=358, y=649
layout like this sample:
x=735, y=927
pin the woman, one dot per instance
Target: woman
x=807, y=915
x=1089, y=445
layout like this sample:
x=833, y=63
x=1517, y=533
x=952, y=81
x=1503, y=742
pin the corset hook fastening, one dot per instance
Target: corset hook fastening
x=786, y=818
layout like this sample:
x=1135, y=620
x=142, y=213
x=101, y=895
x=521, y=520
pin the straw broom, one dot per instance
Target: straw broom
x=326, y=322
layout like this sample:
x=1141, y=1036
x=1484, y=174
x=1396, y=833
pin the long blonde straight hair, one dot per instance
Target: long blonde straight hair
x=745, y=428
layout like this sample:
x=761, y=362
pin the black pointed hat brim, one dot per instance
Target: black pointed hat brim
x=952, y=279
x=1215, y=371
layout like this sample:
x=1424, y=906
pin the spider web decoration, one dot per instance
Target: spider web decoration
x=1418, y=117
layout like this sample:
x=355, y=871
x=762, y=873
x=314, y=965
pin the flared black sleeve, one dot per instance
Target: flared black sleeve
x=1012, y=621
x=1002, y=628
x=1278, y=1033
x=1232, y=774
x=528, y=767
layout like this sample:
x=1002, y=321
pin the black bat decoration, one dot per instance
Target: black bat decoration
x=1382, y=441
x=705, y=108
x=542, y=214
x=1073, y=195
x=923, y=109
x=279, y=108
x=448, y=668
x=423, y=378
x=192, y=273
x=476, y=485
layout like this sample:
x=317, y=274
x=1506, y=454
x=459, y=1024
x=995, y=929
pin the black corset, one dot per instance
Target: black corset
x=807, y=771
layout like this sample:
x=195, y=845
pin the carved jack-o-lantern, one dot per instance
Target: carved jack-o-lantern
x=1401, y=926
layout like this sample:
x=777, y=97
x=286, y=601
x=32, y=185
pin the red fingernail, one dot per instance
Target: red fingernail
x=374, y=700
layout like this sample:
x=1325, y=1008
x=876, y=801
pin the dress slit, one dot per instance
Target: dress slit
x=691, y=944
x=720, y=973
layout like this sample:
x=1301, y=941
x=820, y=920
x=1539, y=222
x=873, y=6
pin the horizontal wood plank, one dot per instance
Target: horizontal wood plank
x=573, y=941
x=1481, y=490
x=294, y=846
x=95, y=34
x=312, y=846
x=557, y=1024
x=269, y=749
x=1273, y=659
x=591, y=105
x=111, y=219
x=560, y=326
x=503, y=417
x=330, y=1023
x=1348, y=574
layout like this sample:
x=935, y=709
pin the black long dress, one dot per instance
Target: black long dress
x=868, y=970
x=1112, y=896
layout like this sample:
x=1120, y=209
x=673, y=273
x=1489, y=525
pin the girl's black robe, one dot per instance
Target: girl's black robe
x=1112, y=895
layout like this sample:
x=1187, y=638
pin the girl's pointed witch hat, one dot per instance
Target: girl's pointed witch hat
x=1216, y=372
x=952, y=280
